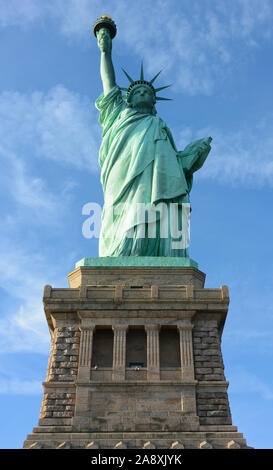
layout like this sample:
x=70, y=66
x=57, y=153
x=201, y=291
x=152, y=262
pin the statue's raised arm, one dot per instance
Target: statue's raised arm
x=105, y=30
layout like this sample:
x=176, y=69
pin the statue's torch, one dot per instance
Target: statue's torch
x=105, y=22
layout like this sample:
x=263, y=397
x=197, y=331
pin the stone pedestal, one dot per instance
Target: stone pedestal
x=135, y=361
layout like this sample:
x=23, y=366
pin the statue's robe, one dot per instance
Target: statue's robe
x=140, y=164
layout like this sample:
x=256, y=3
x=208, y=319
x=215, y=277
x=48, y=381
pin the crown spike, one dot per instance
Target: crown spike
x=153, y=79
x=128, y=76
x=141, y=72
x=162, y=88
x=142, y=81
x=165, y=99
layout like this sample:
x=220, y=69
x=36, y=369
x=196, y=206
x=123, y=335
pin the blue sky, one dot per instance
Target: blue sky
x=218, y=56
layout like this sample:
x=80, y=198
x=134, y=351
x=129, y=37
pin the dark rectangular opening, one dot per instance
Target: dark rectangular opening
x=136, y=347
x=102, y=355
x=169, y=348
x=136, y=365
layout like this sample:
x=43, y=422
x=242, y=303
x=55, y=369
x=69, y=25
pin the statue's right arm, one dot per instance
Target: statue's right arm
x=107, y=72
x=106, y=65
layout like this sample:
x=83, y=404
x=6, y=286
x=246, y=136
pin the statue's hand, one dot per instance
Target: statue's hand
x=104, y=40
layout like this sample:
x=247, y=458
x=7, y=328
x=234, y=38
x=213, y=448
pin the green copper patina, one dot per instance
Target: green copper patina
x=138, y=261
x=139, y=162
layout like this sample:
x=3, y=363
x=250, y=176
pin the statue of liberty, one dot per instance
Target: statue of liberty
x=140, y=165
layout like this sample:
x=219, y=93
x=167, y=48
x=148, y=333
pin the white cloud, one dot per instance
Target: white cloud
x=16, y=12
x=66, y=130
x=242, y=381
x=57, y=126
x=15, y=386
x=196, y=42
x=24, y=329
x=25, y=189
x=237, y=157
x=245, y=339
x=23, y=273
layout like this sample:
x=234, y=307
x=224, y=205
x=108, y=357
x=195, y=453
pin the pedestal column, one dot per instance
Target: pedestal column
x=119, y=352
x=85, y=358
x=186, y=351
x=153, y=370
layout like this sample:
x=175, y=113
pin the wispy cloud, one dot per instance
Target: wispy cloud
x=15, y=386
x=25, y=189
x=56, y=125
x=25, y=328
x=242, y=156
x=243, y=381
x=197, y=42
x=15, y=12
x=244, y=339
x=24, y=271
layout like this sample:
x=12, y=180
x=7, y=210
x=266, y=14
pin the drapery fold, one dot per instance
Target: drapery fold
x=139, y=164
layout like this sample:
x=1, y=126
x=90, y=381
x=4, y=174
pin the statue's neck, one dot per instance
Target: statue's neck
x=142, y=108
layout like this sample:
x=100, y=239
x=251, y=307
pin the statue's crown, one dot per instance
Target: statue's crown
x=105, y=21
x=141, y=81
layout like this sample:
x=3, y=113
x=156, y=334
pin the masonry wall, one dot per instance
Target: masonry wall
x=62, y=368
x=212, y=401
x=172, y=325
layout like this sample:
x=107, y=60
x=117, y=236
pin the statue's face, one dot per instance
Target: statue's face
x=104, y=38
x=142, y=96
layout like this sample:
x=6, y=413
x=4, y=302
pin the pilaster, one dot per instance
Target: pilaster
x=180, y=403
x=85, y=357
x=119, y=352
x=153, y=370
x=186, y=350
